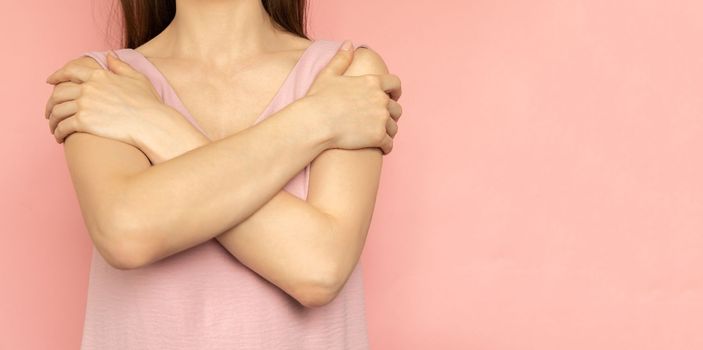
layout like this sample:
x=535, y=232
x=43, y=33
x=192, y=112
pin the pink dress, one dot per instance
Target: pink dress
x=203, y=297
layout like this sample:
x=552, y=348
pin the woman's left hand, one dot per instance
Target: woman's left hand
x=118, y=103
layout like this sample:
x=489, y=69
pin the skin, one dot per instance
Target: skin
x=153, y=197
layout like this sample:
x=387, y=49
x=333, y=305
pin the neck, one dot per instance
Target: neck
x=218, y=30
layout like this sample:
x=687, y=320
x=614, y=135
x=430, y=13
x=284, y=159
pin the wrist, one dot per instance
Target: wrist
x=312, y=118
x=167, y=135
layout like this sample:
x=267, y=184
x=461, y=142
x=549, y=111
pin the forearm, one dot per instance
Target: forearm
x=197, y=195
x=293, y=245
x=311, y=254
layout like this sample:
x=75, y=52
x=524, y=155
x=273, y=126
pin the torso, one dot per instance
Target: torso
x=226, y=100
x=203, y=297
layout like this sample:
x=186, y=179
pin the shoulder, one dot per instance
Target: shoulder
x=94, y=59
x=367, y=61
x=81, y=62
x=74, y=64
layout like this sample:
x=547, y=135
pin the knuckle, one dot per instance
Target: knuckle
x=58, y=130
x=97, y=73
x=381, y=97
x=68, y=70
x=382, y=113
x=72, y=68
x=397, y=79
x=87, y=87
x=57, y=87
x=371, y=80
x=82, y=89
x=79, y=117
x=51, y=124
x=379, y=100
x=80, y=104
x=380, y=135
x=55, y=109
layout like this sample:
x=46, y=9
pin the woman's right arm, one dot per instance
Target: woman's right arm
x=137, y=213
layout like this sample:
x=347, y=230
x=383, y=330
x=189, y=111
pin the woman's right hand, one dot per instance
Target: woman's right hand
x=359, y=111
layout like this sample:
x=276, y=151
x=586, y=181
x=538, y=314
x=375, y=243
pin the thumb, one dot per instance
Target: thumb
x=341, y=60
x=117, y=66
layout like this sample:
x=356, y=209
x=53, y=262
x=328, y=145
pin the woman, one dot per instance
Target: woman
x=231, y=214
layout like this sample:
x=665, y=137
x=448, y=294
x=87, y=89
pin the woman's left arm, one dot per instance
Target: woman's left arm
x=341, y=198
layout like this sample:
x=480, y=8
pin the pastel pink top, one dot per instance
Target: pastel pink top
x=203, y=297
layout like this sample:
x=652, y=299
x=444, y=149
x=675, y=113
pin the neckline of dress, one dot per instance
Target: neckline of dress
x=168, y=88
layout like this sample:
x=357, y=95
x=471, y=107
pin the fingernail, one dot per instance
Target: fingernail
x=346, y=45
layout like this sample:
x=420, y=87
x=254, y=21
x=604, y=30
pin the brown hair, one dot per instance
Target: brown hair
x=145, y=19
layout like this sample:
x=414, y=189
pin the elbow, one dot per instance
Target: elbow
x=122, y=246
x=319, y=289
x=315, y=296
x=124, y=255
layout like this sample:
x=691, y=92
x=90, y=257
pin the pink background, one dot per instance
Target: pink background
x=545, y=190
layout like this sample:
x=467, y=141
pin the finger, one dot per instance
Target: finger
x=394, y=109
x=60, y=112
x=73, y=72
x=387, y=145
x=390, y=83
x=391, y=127
x=62, y=92
x=65, y=128
x=118, y=66
x=340, y=61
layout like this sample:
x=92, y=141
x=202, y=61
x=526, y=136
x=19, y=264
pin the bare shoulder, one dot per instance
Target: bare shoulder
x=366, y=61
x=86, y=61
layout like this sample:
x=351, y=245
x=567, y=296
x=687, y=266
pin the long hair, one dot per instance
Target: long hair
x=145, y=19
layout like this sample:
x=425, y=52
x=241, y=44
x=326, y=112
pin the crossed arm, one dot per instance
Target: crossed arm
x=306, y=248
